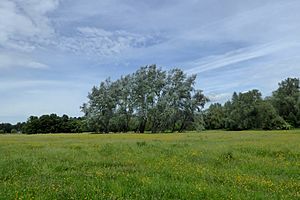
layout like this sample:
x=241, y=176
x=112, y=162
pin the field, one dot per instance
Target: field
x=205, y=165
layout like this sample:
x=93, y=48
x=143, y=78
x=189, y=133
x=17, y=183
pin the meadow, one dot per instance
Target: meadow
x=204, y=165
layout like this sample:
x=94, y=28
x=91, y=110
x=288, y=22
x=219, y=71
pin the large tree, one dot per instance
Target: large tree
x=148, y=83
x=124, y=105
x=286, y=100
x=182, y=102
x=100, y=108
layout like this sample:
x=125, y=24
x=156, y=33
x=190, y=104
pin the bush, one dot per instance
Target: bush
x=13, y=131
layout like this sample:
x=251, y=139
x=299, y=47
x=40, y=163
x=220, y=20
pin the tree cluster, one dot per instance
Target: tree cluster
x=250, y=111
x=9, y=128
x=53, y=124
x=148, y=100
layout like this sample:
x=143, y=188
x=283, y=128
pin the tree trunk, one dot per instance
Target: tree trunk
x=142, y=126
x=183, y=124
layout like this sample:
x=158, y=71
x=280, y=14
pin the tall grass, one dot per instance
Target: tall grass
x=206, y=165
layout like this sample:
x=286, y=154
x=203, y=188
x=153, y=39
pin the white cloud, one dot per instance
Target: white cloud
x=23, y=22
x=240, y=55
x=12, y=60
x=36, y=65
x=26, y=27
x=27, y=85
x=248, y=21
x=218, y=98
x=94, y=42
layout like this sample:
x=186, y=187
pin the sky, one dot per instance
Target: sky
x=52, y=52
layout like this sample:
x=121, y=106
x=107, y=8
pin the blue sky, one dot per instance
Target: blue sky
x=53, y=51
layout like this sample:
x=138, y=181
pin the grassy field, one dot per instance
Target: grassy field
x=206, y=165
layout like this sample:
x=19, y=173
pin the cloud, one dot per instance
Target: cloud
x=94, y=42
x=218, y=98
x=251, y=21
x=23, y=22
x=17, y=60
x=40, y=85
x=26, y=26
x=239, y=55
x=36, y=65
x=8, y=85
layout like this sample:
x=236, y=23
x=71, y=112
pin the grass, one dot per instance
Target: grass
x=206, y=165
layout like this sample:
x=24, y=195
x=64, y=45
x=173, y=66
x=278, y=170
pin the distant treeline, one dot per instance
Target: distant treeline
x=47, y=124
x=250, y=111
x=154, y=100
x=9, y=128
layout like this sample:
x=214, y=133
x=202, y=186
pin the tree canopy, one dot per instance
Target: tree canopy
x=150, y=99
x=286, y=100
x=53, y=124
x=249, y=110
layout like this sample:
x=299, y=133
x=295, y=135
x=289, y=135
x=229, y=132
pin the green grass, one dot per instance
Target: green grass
x=206, y=165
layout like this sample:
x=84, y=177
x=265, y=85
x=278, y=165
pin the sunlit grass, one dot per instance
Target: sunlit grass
x=205, y=165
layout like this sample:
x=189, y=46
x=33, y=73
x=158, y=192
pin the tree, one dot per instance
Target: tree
x=241, y=111
x=286, y=100
x=267, y=117
x=32, y=125
x=6, y=127
x=149, y=99
x=100, y=108
x=181, y=101
x=124, y=108
x=147, y=86
x=214, y=117
x=249, y=111
x=51, y=124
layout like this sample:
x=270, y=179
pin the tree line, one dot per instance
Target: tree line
x=250, y=111
x=10, y=128
x=47, y=124
x=166, y=101
x=155, y=100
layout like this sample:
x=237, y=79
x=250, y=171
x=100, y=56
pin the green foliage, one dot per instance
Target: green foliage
x=6, y=128
x=214, y=117
x=9, y=128
x=267, y=117
x=148, y=100
x=242, y=111
x=159, y=101
x=286, y=100
x=54, y=124
x=245, y=111
x=206, y=165
x=101, y=106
